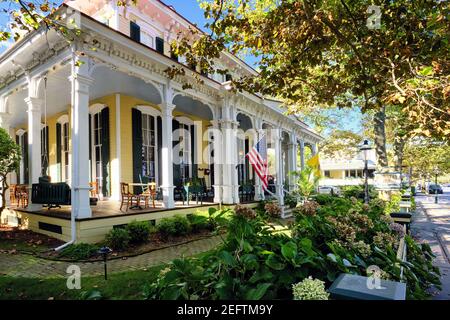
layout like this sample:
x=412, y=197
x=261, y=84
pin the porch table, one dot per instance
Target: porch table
x=144, y=186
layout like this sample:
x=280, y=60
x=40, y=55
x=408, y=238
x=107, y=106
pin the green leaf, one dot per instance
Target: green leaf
x=171, y=293
x=246, y=246
x=332, y=257
x=227, y=258
x=211, y=211
x=427, y=71
x=258, y=292
x=263, y=274
x=289, y=250
x=250, y=261
x=347, y=263
x=273, y=262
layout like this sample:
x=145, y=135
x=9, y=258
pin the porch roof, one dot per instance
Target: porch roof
x=15, y=76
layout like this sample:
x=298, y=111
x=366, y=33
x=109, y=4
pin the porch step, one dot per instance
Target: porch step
x=287, y=212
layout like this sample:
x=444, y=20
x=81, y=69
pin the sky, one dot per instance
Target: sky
x=348, y=119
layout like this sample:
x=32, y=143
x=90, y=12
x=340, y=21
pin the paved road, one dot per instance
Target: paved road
x=432, y=224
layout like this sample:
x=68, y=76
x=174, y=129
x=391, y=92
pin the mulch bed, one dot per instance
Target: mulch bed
x=155, y=242
x=14, y=238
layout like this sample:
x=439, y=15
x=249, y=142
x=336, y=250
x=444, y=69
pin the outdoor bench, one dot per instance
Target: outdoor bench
x=403, y=218
x=53, y=195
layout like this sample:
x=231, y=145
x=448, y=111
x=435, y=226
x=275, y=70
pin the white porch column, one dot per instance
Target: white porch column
x=278, y=165
x=116, y=166
x=81, y=81
x=292, y=159
x=230, y=187
x=259, y=133
x=228, y=166
x=235, y=159
x=4, y=123
x=314, y=149
x=302, y=154
x=34, y=138
x=167, y=155
x=217, y=150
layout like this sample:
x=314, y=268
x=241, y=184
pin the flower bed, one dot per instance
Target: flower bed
x=327, y=238
x=141, y=237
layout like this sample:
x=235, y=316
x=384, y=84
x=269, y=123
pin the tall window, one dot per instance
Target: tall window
x=97, y=148
x=149, y=147
x=185, y=150
x=65, y=150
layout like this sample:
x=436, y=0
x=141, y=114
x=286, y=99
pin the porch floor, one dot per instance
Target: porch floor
x=111, y=208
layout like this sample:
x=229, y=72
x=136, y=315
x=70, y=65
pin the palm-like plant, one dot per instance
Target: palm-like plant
x=307, y=181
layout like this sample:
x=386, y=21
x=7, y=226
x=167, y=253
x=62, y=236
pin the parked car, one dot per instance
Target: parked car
x=435, y=189
x=329, y=190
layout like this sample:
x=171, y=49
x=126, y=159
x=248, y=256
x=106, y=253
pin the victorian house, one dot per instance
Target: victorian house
x=100, y=115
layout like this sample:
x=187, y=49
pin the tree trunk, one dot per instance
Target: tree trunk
x=5, y=187
x=380, y=137
x=399, y=146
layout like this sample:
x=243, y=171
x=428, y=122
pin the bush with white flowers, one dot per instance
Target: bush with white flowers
x=310, y=289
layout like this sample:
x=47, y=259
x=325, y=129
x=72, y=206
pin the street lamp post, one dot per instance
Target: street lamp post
x=365, y=152
x=435, y=182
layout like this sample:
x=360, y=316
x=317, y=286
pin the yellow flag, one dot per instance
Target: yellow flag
x=314, y=163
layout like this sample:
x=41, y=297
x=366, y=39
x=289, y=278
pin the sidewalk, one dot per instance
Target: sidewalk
x=28, y=266
x=432, y=225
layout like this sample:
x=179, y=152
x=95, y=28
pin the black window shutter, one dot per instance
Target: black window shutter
x=18, y=170
x=159, y=147
x=160, y=45
x=58, y=152
x=26, y=175
x=176, y=166
x=193, y=153
x=136, y=116
x=135, y=31
x=106, y=188
x=247, y=163
x=45, y=159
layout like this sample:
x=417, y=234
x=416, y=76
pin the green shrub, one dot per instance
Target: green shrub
x=118, y=238
x=139, y=231
x=199, y=223
x=324, y=199
x=393, y=205
x=175, y=226
x=413, y=204
x=79, y=251
x=290, y=200
x=358, y=192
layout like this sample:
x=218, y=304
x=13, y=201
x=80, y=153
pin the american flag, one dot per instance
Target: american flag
x=258, y=159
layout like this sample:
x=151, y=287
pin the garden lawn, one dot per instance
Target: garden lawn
x=125, y=286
